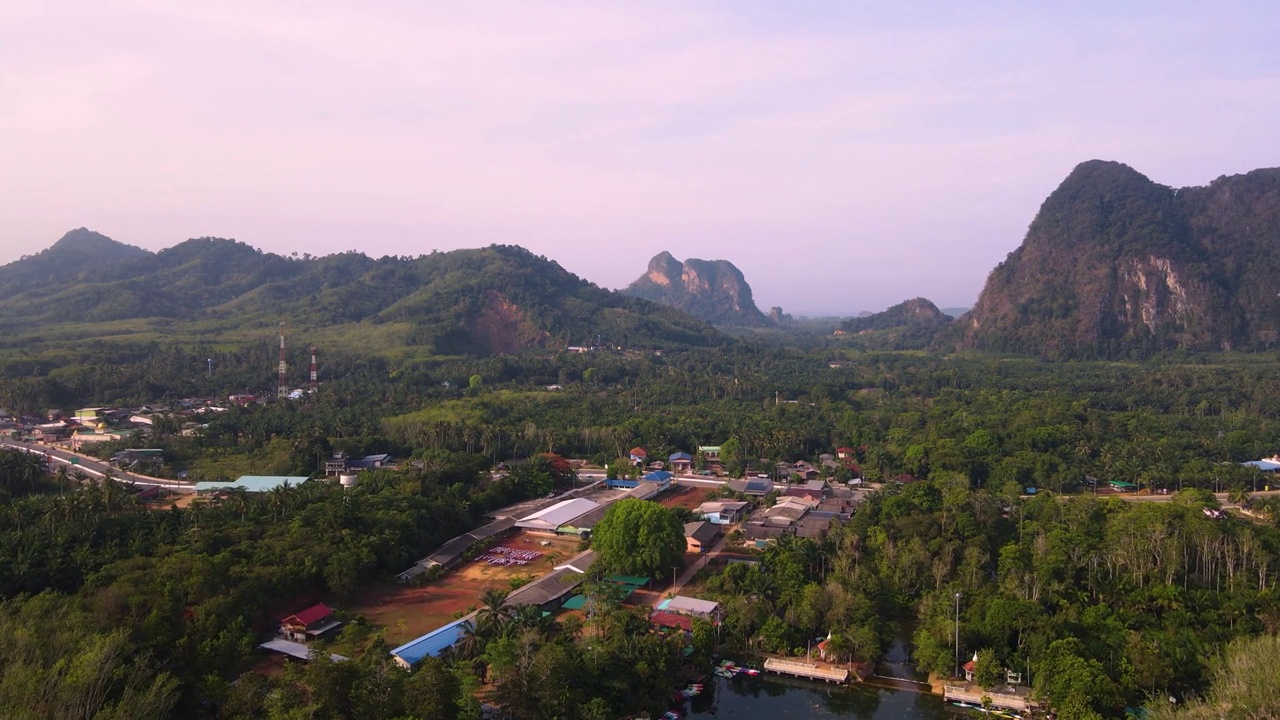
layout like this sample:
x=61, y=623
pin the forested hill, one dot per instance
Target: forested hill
x=483, y=301
x=711, y=290
x=1116, y=265
x=76, y=257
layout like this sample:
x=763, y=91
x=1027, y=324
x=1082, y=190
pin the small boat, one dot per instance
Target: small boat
x=749, y=671
x=723, y=672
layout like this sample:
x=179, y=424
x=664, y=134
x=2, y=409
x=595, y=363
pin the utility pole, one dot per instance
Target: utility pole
x=957, y=635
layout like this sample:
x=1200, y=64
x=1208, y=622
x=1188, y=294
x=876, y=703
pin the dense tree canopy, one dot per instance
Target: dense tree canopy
x=637, y=537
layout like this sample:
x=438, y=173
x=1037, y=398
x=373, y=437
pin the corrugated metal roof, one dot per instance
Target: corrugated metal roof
x=558, y=514
x=689, y=606
x=253, y=483
x=431, y=644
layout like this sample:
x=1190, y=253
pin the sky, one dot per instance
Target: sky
x=844, y=155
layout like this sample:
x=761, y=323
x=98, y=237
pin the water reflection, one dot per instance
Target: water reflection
x=772, y=698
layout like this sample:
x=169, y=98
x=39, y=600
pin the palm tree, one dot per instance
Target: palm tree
x=493, y=613
x=1238, y=495
x=470, y=644
x=528, y=617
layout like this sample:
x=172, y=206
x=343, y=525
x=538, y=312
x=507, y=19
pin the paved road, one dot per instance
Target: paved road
x=96, y=468
x=686, y=576
x=1131, y=497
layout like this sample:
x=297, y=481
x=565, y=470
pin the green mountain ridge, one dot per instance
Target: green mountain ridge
x=481, y=301
x=1116, y=265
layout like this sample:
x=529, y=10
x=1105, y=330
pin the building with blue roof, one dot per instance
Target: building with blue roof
x=432, y=644
x=252, y=483
x=1266, y=465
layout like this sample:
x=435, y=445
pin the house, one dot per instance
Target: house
x=752, y=486
x=433, y=644
x=680, y=462
x=699, y=536
x=309, y=624
x=846, y=453
x=659, y=478
x=549, y=520
x=336, y=464
x=969, y=667
x=816, y=489
x=723, y=512
x=815, y=525
x=639, y=456
x=710, y=453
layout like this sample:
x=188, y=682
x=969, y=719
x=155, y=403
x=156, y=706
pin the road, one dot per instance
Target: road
x=97, y=468
x=1131, y=497
x=692, y=570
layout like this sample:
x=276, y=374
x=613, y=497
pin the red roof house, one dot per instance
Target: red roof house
x=309, y=624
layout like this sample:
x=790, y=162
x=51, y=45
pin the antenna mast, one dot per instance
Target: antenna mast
x=282, y=388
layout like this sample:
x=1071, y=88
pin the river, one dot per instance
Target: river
x=891, y=694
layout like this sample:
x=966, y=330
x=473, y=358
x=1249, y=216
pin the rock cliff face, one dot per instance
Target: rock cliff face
x=710, y=290
x=1116, y=265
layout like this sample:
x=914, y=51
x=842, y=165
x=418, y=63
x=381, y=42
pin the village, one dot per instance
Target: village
x=536, y=552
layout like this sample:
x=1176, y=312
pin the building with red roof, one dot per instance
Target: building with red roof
x=309, y=624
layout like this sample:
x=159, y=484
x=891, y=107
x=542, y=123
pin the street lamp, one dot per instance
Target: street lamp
x=957, y=635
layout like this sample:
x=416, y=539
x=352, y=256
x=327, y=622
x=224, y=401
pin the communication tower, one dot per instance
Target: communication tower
x=282, y=387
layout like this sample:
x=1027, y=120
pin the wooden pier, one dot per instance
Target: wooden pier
x=974, y=695
x=808, y=670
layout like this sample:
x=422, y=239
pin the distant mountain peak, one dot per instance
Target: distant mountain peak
x=83, y=240
x=1115, y=264
x=710, y=290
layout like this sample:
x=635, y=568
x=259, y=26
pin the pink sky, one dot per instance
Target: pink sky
x=843, y=159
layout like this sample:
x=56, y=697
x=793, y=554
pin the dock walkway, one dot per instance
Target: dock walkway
x=974, y=694
x=809, y=670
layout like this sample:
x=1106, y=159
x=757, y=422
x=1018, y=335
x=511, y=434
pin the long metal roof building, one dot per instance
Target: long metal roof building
x=557, y=515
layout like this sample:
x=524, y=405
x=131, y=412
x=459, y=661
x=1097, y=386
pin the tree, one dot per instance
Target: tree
x=986, y=671
x=638, y=537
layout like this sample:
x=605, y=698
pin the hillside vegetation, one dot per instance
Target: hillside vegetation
x=1116, y=265
x=478, y=302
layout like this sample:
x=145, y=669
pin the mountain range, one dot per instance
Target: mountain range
x=484, y=301
x=1113, y=265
